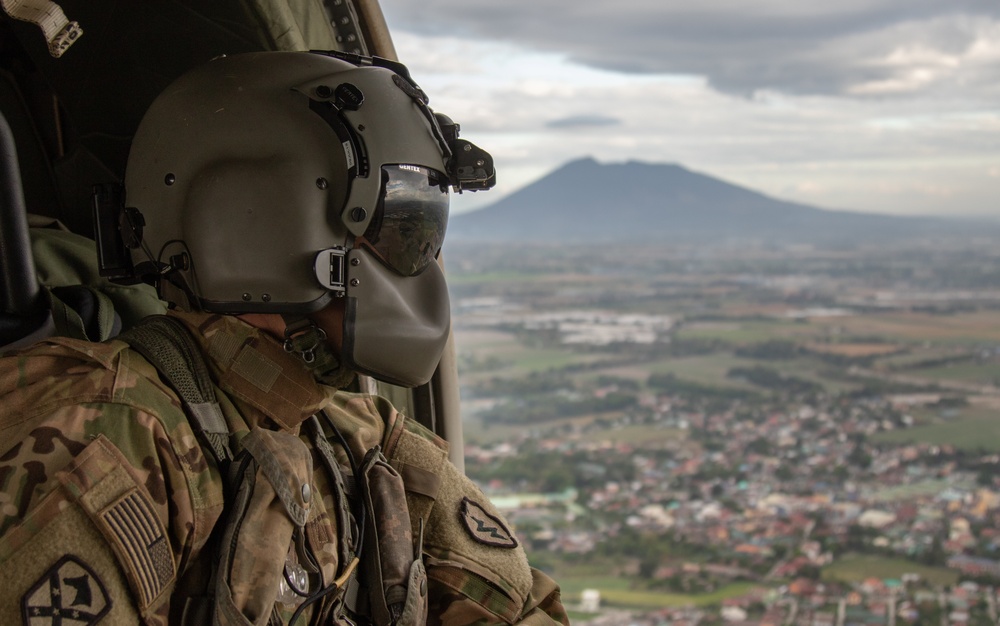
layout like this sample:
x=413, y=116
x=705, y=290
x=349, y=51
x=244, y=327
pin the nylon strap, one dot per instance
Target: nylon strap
x=346, y=525
x=60, y=33
x=170, y=348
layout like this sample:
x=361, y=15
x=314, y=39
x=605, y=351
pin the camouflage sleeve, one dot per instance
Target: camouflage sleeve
x=477, y=572
x=546, y=601
x=96, y=516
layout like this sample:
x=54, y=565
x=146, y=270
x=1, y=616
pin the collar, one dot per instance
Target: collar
x=254, y=370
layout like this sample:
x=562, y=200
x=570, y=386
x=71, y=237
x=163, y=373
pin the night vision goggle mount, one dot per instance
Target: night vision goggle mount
x=470, y=168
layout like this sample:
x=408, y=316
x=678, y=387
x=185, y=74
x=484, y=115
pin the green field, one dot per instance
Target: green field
x=856, y=568
x=932, y=332
x=981, y=373
x=480, y=431
x=532, y=360
x=962, y=329
x=711, y=370
x=617, y=591
x=516, y=358
x=743, y=332
x=579, y=616
x=705, y=370
x=974, y=428
x=475, y=431
x=917, y=355
x=636, y=434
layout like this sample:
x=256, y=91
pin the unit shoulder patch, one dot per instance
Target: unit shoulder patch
x=485, y=528
x=68, y=594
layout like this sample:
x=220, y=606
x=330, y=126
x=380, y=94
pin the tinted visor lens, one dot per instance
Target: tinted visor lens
x=408, y=227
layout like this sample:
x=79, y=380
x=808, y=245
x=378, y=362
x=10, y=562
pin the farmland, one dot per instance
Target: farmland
x=692, y=419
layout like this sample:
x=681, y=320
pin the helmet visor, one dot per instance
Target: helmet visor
x=407, y=229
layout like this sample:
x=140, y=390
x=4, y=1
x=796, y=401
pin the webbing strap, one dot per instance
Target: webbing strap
x=346, y=525
x=171, y=349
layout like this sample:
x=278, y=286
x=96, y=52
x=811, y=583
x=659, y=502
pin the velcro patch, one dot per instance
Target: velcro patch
x=256, y=369
x=485, y=528
x=68, y=594
x=140, y=538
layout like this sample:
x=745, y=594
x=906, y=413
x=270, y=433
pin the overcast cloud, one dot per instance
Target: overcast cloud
x=793, y=46
x=873, y=105
x=583, y=121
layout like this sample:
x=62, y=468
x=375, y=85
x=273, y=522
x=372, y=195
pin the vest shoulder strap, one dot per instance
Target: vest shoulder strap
x=168, y=345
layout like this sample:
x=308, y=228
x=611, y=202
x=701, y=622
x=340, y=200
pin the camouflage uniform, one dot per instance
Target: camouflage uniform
x=108, y=501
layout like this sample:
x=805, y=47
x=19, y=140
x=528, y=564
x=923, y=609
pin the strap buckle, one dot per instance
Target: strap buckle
x=304, y=338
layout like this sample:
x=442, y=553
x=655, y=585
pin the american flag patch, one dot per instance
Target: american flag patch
x=142, y=542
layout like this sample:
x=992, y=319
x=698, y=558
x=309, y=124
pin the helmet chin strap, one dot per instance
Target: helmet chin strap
x=307, y=340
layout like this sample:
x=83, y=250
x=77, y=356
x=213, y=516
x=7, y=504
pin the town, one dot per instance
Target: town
x=723, y=504
x=790, y=457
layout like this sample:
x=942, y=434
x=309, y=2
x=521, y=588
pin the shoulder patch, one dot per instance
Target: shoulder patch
x=485, y=528
x=141, y=540
x=68, y=594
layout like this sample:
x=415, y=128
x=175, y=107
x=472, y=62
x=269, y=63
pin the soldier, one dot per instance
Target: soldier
x=291, y=207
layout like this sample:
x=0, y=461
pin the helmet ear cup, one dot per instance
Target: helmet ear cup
x=395, y=327
x=231, y=167
x=254, y=220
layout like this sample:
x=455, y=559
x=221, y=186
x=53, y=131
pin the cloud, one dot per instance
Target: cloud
x=848, y=113
x=584, y=121
x=823, y=150
x=859, y=48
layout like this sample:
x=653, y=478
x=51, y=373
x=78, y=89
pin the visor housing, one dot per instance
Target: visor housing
x=407, y=230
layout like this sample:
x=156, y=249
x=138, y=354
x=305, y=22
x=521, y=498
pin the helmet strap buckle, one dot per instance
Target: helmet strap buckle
x=304, y=338
x=308, y=341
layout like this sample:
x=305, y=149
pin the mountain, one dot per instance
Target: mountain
x=587, y=201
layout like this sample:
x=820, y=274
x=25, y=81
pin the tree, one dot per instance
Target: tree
x=935, y=555
x=859, y=457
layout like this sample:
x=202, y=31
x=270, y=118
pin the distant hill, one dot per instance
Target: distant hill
x=588, y=201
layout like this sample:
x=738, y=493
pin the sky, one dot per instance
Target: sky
x=887, y=106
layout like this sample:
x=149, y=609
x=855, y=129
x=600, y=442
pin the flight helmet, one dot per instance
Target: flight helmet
x=277, y=182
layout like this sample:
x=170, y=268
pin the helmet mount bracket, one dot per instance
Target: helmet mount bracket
x=470, y=168
x=118, y=229
x=113, y=257
x=330, y=269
